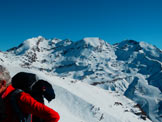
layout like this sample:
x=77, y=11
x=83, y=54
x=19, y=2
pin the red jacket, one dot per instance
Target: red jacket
x=28, y=105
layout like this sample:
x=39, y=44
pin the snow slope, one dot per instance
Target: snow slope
x=77, y=101
x=94, y=76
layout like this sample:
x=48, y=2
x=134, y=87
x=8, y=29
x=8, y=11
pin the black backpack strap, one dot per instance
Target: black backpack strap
x=3, y=114
x=21, y=116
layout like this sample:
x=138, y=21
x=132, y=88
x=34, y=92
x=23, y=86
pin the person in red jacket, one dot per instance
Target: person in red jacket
x=26, y=103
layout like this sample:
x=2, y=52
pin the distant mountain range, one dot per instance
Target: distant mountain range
x=129, y=68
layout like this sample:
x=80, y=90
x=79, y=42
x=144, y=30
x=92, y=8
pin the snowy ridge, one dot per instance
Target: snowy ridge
x=80, y=102
x=129, y=68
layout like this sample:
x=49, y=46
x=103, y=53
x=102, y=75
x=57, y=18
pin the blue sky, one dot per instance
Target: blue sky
x=111, y=20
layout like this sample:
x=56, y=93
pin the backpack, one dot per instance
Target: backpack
x=42, y=89
x=38, y=89
x=24, y=81
x=29, y=82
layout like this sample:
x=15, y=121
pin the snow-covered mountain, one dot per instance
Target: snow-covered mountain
x=92, y=77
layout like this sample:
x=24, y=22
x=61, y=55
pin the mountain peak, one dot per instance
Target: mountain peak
x=129, y=45
x=93, y=41
x=147, y=46
x=129, y=42
x=152, y=51
x=32, y=43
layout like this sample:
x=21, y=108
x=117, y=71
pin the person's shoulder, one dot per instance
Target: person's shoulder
x=25, y=97
x=8, y=90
